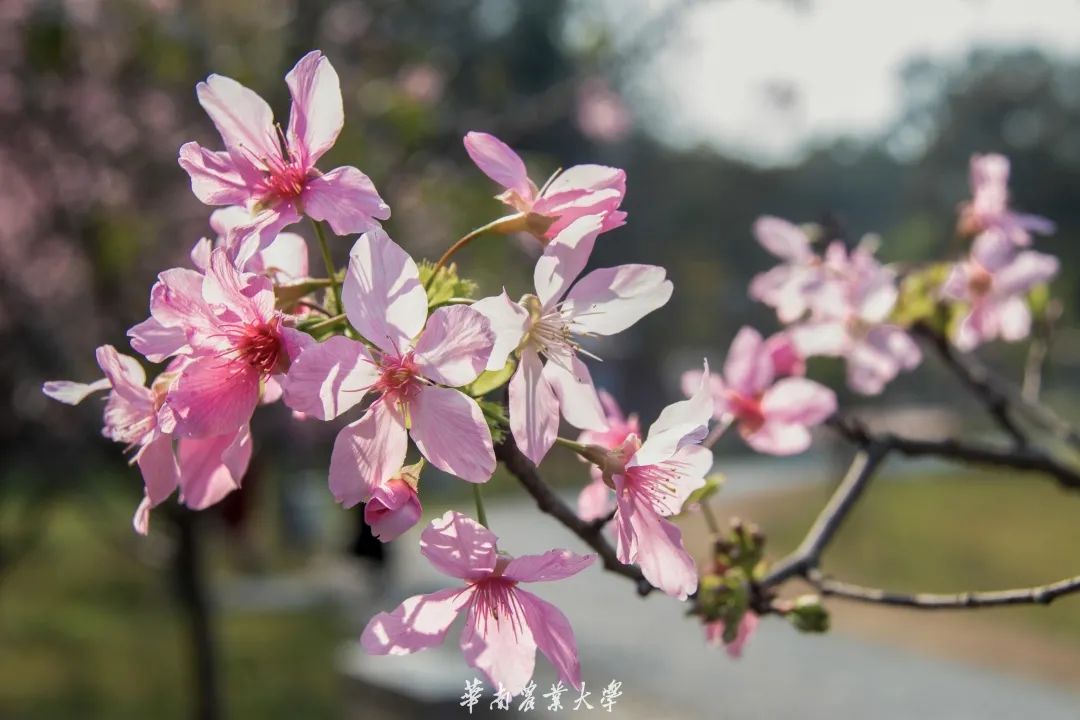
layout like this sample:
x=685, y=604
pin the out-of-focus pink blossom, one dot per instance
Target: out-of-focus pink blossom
x=989, y=205
x=546, y=325
x=272, y=173
x=545, y=212
x=790, y=287
x=601, y=113
x=994, y=281
x=652, y=480
x=786, y=359
x=505, y=625
x=714, y=634
x=595, y=499
x=773, y=416
x=205, y=470
x=418, y=362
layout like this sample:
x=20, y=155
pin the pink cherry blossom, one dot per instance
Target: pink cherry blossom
x=789, y=288
x=505, y=625
x=595, y=500
x=714, y=634
x=273, y=174
x=994, y=281
x=989, y=205
x=850, y=319
x=205, y=470
x=544, y=329
x=417, y=363
x=773, y=416
x=582, y=190
x=284, y=260
x=394, y=506
x=652, y=480
x=236, y=342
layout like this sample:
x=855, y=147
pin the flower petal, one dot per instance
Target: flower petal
x=243, y=119
x=367, y=453
x=609, y=300
x=534, y=408
x=595, y=499
x=496, y=160
x=213, y=396
x=206, y=476
x=73, y=393
x=317, y=114
x=382, y=294
x=553, y=635
x=564, y=258
x=679, y=423
x=798, y=400
x=500, y=645
x=329, y=378
x=577, y=396
x=508, y=322
x=449, y=429
x=419, y=623
x=214, y=177
x=159, y=468
x=552, y=565
x=347, y=199
x=656, y=546
x=748, y=369
x=459, y=546
x=783, y=239
x=775, y=437
x=455, y=345
x=156, y=342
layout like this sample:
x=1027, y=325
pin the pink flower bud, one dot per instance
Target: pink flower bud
x=392, y=509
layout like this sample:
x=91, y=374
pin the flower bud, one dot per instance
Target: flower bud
x=809, y=615
x=393, y=508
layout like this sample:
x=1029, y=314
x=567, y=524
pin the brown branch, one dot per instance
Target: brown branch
x=1039, y=595
x=591, y=532
x=806, y=557
x=1019, y=458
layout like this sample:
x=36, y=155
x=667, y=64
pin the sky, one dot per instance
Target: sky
x=761, y=78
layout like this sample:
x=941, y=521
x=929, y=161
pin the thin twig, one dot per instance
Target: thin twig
x=1039, y=595
x=549, y=502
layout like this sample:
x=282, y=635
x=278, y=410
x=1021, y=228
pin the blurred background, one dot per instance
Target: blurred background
x=858, y=116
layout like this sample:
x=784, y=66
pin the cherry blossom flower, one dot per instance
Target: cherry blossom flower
x=416, y=364
x=394, y=506
x=205, y=470
x=989, y=205
x=652, y=480
x=272, y=173
x=773, y=416
x=548, y=324
x=236, y=342
x=505, y=625
x=284, y=260
x=714, y=634
x=850, y=319
x=994, y=281
x=789, y=288
x=574, y=193
x=595, y=499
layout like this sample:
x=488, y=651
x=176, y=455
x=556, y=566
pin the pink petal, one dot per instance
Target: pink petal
x=496, y=160
x=786, y=358
x=249, y=296
x=347, y=199
x=459, y=546
x=159, y=468
x=367, y=453
x=214, y=396
x=73, y=393
x=748, y=369
x=214, y=178
x=124, y=373
x=783, y=239
x=609, y=300
x=576, y=393
x=221, y=221
x=448, y=428
x=420, y=622
x=821, y=338
x=679, y=423
x=553, y=636
x=243, y=241
x=141, y=519
x=243, y=119
x=500, y=645
x=592, y=178
x=564, y=258
x=778, y=438
x=382, y=294
x=1025, y=272
x=534, y=408
x=176, y=299
x=213, y=467
x=683, y=474
x=155, y=341
x=595, y=499
x=285, y=259
x=552, y=565
x=645, y=538
x=392, y=509
x=691, y=381
x=1014, y=319
x=317, y=114
x=798, y=400
x=508, y=322
x=455, y=345
x=329, y=378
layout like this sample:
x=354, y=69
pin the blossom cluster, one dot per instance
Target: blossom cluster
x=406, y=354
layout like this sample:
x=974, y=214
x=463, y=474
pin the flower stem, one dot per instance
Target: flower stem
x=503, y=224
x=328, y=322
x=331, y=271
x=481, y=516
x=710, y=518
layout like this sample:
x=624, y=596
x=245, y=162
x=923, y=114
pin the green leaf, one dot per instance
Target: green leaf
x=919, y=298
x=495, y=416
x=446, y=285
x=286, y=296
x=491, y=379
x=712, y=485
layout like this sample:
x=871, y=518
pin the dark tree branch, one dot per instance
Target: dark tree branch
x=1040, y=595
x=194, y=599
x=549, y=502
